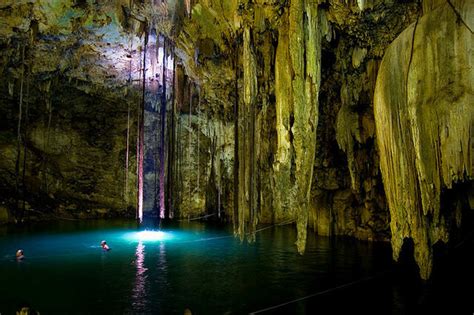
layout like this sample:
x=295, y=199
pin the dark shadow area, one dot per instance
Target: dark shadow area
x=399, y=290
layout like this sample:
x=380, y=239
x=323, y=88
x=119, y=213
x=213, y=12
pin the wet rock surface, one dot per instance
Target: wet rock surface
x=424, y=117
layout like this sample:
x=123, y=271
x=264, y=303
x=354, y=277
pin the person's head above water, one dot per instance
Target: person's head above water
x=104, y=245
x=20, y=254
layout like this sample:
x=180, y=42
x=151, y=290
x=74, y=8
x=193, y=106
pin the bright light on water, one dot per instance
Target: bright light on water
x=149, y=236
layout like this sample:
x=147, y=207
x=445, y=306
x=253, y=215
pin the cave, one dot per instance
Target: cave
x=236, y=156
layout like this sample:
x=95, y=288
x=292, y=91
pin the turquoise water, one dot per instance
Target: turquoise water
x=192, y=265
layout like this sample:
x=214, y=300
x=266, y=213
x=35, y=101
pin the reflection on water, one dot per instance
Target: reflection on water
x=205, y=269
x=139, y=294
x=162, y=260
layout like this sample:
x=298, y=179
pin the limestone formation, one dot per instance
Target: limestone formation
x=424, y=116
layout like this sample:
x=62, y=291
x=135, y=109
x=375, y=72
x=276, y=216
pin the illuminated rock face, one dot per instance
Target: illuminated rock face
x=424, y=116
x=295, y=82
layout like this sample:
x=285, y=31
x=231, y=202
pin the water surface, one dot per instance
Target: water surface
x=192, y=265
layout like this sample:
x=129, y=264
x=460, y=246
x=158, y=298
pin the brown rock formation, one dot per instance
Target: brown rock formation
x=424, y=116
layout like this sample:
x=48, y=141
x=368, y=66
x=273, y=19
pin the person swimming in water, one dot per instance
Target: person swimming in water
x=104, y=246
x=20, y=254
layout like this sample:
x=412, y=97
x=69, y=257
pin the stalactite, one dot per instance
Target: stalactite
x=247, y=137
x=252, y=187
x=305, y=86
x=297, y=58
x=423, y=114
x=296, y=89
x=282, y=190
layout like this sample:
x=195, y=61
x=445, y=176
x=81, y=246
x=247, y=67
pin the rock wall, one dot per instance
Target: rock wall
x=70, y=92
x=424, y=118
x=70, y=159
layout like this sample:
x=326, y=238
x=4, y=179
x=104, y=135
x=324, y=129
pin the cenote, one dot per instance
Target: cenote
x=191, y=265
x=237, y=156
x=206, y=269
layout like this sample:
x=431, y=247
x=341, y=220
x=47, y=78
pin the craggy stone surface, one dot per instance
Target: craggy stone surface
x=72, y=69
x=424, y=116
x=302, y=76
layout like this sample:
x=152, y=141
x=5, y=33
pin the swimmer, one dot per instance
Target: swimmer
x=19, y=254
x=104, y=246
